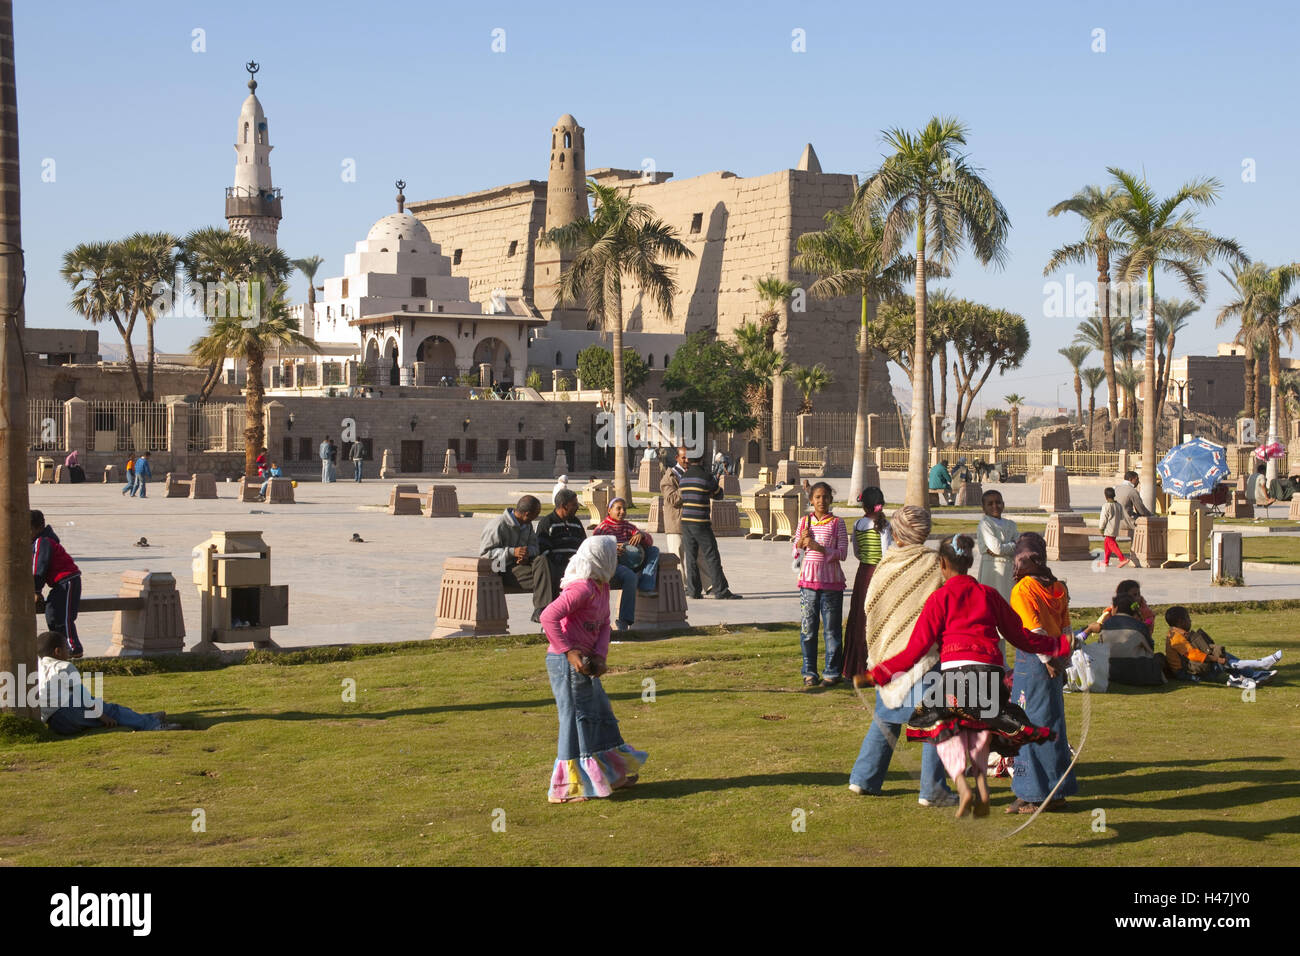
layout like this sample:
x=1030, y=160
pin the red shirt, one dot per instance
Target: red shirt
x=966, y=617
x=50, y=563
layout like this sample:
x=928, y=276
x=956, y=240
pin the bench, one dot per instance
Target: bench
x=439, y=501
x=148, y=618
x=1067, y=538
x=201, y=485
x=279, y=491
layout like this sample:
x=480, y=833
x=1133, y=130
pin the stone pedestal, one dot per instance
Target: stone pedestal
x=757, y=508
x=279, y=491
x=176, y=486
x=1150, y=542
x=871, y=475
x=248, y=489
x=766, y=475
x=1067, y=538
x=442, y=502
x=730, y=485
x=785, y=512
x=725, y=518
x=787, y=471
x=561, y=463
x=62, y=476
x=203, y=486
x=655, y=523
x=1225, y=556
x=969, y=494
x=1239, y=507
x=471, y=599
x=44, y=471
x=511, y=470
x=1054, y=493
x=449, y=462
x=1001, y=429
x=404, y=500
x=386, y=469
x=595, y=497
x=648, y=475
x=666, y=608
x=156, y=628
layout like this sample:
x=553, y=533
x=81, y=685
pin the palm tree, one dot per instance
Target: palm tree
x=622, y=237
x=1075, y=355
x=17, y=623
x=1268, y=303
x=810, y=381
x=213, y=257
x=774, y=295
x=1099, y=208
x=1163, y=234
x=1128, y=380
x=1014, y=400
x=309, y=266
x=1171, y=318
x=849, y=258
x=148, y=262
x=765, y=366
x=96, y=273
x=927, y=186
x=1092, y=377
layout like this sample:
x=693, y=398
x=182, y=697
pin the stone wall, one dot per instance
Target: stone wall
x=114, y=382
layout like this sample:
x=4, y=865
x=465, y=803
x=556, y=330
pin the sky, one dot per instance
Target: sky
x=127, y=116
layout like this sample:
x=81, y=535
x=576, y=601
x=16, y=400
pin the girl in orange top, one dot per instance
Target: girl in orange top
x=1043, y=603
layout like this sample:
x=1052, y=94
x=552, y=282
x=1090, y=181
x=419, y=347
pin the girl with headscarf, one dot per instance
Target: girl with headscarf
x=638, y=560
x=591, y=759
x=997, y=544
x=906, y=575
x=1037, y=687
x=871, y=539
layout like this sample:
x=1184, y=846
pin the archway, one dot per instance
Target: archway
x=494, y=352
x=370, y=362
x=391, y=361
x=439, y=358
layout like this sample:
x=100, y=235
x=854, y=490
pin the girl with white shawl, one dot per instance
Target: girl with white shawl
x=996, y=545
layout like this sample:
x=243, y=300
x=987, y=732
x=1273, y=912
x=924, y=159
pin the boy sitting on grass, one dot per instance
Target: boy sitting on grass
x=1191, y=655
x=69, y=708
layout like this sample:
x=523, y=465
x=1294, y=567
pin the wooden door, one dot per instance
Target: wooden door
x=412, y=457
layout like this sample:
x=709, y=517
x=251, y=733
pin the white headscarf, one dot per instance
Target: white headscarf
x=596, y=560
x=559, y=486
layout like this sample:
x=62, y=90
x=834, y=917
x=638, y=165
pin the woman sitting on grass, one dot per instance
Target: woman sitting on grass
x=591, y=759
x=964, y=618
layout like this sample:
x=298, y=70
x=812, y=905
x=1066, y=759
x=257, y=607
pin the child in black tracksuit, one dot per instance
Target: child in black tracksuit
x=52, y=566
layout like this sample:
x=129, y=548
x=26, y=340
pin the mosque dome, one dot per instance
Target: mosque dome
x=399, y=225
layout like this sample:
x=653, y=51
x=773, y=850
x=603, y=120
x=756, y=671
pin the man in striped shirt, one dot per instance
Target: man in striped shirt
x=698, y=488
x=560, y=534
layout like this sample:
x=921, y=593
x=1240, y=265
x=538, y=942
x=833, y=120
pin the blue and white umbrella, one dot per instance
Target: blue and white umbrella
x=1193, y=468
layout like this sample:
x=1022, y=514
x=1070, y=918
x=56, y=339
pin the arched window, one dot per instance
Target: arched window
x=552, y=141
x=568, y=141
x=667, y=358
x=558, y=359
x=561, y=159
x=245, y=132
x=650, y=361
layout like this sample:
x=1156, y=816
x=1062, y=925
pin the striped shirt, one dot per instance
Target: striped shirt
x=822, y=572
x=698, y=488
x=869, y=544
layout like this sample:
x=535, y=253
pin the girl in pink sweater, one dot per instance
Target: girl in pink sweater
x=591, y=759
x=823, y=542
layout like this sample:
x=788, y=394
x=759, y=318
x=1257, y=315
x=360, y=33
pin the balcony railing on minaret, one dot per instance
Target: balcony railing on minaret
x=243, y=201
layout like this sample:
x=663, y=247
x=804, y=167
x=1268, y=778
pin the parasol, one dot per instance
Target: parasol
x=1269, y=450
x=1193, y=468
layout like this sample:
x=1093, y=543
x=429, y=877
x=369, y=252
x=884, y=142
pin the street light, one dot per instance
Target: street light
x=1182, y=386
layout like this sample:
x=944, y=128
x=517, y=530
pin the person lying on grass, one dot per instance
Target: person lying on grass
x=1191, y=655
x=69, y=708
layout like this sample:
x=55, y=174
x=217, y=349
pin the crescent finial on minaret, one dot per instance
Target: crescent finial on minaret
x=252, y=67
x=401, y=200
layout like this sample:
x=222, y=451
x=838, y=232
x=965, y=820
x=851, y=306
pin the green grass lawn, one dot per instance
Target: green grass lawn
x=1272, y=548
x=447, y=737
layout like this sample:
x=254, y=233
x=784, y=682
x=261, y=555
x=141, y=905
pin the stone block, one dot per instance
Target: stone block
x=756, y=506
x=1054, y=493
x=279, y=491
x=648, y=475
x=442, y=502
x=725, y=518
x=62, y=476
x=1068, y=538
x=471, y=599
x=248, y=489
x=1150, y=542
x=203, y=485
x=176, y=486
x=969, y=494
x=666, y=608
x=1293, y=513
x=787, y=472
x=730, y=485
x=386, y=469
x=404, y=500
x=156, y=628
x=655, y=523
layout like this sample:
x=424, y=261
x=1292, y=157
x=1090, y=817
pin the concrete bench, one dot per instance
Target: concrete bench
x=1068, y=538
x=440, y=501
x=177, y=486
x=148, y=618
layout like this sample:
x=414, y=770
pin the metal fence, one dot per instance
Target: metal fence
x=45, y=425
x=135, y=426
x=207, y=427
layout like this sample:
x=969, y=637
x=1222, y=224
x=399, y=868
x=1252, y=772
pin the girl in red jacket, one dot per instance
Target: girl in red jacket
x=965, y=618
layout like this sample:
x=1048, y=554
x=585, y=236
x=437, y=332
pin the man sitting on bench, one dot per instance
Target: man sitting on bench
x=511, y=543
x=941, y=481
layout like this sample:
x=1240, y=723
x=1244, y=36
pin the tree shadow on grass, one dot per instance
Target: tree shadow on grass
x=1139, y=831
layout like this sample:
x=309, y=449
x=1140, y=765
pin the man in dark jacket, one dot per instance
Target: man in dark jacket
x=560, y=534
x=511, y=543
x=699, y=546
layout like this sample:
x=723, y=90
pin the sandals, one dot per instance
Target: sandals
x=811, y=681
x=1021, y=806
x=566, y=799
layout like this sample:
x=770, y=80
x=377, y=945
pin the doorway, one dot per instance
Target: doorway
x=412, y=457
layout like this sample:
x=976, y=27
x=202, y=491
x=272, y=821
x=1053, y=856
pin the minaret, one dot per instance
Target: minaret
x=566, y=202
x=253, y=204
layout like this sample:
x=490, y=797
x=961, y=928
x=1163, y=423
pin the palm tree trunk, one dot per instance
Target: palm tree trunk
x=148, y=375
x=1107, y=348
x=1092, y=417
x=943, y=379
x=210, y=382
x=1015, y=425
x=1251, y=403
x=17, y=621
x=918, y=454
x=130, y=355
x=1078, y=398
x=1162, y=379
x=622, y=487
x=779, y=342
x=254, y=426
x=1274, y=377
x=858, y=478
x=1149, y=406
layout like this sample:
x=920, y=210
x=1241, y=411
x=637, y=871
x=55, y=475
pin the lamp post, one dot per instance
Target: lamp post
x=1182, y=386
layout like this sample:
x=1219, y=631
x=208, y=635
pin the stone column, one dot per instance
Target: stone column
x=484, y=374
x=276, y=419
x=76, y=426
x=178, y=436
x=802, y=426
x=874, y=438
x=232, y=432
x=417, y=373
x=351, y=376
x=1001, y=428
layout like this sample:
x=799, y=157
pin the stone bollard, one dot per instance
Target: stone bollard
x=725, y=518
x=1062, y=544
x=156, y=628
x=386, y=469
x=62, y=476
x=442, y=502
x=561, y=463
x=404, y=500
x=449, y=462
x=471, y=599
x=176, y=487
x=248, y=489
x=279, y=492
x=970, y=494
x=655, y=523
x=1150, y=542
x=648, y=475
x=1054, y=494
x=787, y=471
x=667, y=607
x=203, y=485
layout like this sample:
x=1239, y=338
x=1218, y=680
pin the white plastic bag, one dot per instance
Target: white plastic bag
x=1089, y=669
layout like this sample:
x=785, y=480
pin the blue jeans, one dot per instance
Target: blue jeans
x=73, y=720
x=356, y=468
x=141, y=486
x=828, y=606
x=648, y=575
x=129, y=487
x=625, y=580
x=879, y=744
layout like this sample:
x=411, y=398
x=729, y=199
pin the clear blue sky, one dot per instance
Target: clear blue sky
x=140, y=128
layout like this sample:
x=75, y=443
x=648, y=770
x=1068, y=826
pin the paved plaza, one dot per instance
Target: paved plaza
x=387, y=588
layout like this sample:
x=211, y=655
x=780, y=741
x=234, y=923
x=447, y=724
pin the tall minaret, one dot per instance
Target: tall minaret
x=566, y=202
x=253, y=204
